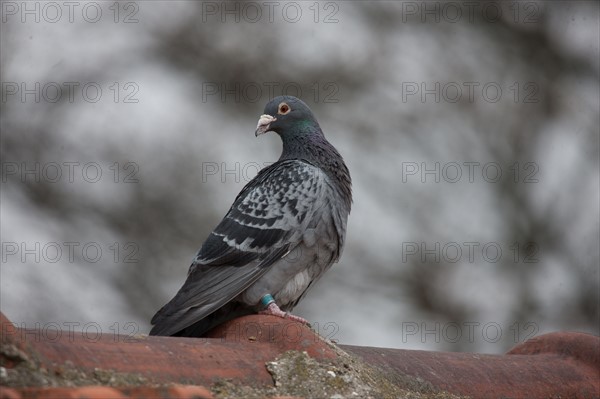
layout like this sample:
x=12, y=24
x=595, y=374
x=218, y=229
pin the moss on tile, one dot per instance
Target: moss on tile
x=23, y=370
x=297, y=374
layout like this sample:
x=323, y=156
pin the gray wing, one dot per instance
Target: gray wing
x=265, y=222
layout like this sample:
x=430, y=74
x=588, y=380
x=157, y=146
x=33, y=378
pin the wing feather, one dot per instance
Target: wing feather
x=265, y=222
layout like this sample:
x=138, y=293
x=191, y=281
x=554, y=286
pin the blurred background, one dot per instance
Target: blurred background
x=471, y=131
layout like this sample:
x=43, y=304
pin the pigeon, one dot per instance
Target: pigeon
x=283, y=232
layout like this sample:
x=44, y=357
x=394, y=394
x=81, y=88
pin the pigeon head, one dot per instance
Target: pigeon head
x=285, y=115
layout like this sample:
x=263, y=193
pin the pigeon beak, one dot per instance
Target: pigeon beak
x=264, y=123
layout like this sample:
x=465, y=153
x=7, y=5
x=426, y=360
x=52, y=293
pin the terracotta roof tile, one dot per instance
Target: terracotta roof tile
x=89, y=392
x=271, y=357
x=9, y=393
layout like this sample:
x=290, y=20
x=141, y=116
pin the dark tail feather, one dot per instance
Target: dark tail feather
x=228, y=312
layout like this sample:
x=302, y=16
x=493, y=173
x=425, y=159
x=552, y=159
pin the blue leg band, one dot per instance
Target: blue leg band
x=266, y=300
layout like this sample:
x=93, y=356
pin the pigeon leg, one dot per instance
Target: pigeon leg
x=271, y=308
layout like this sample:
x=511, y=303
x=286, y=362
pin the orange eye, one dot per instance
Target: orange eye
x=283, y=109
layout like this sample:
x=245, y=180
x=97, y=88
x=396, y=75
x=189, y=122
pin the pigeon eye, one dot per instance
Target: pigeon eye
x=283, y=109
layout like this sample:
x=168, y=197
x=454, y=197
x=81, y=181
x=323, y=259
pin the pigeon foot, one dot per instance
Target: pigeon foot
x=273, y=309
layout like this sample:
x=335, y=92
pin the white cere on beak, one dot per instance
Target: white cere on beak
x=263, y=124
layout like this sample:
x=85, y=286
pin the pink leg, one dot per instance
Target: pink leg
x=274, y=310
